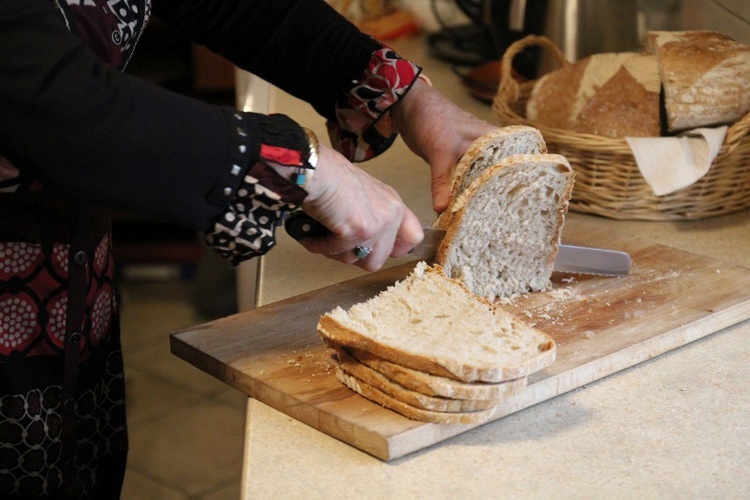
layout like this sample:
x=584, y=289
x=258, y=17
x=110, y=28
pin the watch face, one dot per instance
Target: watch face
x=312, y=142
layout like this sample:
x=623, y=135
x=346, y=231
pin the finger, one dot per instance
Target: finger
x=442, y=179
x=329, y=245
x=441, y=193
x=409, y=235
x=318, y=245
x=345, y=252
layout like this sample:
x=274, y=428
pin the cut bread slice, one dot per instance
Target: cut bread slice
x=412, y=398
x=492, y=147
x=434, y=385
x=379, y=381
x=503, y=231
x=408, y=411
x=489, y=149
x=434, y=324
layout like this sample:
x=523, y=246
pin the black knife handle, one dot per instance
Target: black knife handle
x=300, y=225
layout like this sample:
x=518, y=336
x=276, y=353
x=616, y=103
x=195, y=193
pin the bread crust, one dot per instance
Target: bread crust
x=609, y=94
x=397, y=391
x=411, y=412
x=553, y=96
x=706, y=77
x=466, y=372
x=615, y=112
x=434, y=385
x=487, y=150
x=499, y=139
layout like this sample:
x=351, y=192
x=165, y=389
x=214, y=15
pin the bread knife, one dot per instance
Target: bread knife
x=570, y=258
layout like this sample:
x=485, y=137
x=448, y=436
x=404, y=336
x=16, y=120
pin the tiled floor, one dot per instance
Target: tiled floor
x=186, y=428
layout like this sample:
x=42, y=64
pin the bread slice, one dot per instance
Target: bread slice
x=434, y=385
x=492, y=147
x=431, y=323
x=706, y=77
x=502, y=233
x=409, y=411
x=397, y=391
x=488, y=150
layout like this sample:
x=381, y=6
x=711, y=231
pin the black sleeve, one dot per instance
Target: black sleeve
x=82, y=128
x=302, y=46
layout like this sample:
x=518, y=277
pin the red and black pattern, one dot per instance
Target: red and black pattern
x=247, y=228
x=386, y=80
x=34, y=298
x=34, y=304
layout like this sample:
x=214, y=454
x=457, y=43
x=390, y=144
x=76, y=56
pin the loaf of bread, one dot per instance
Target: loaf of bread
x=705, y=75
x=609, y=94
x=433, y=385
x=503, y=231
x=434, y=324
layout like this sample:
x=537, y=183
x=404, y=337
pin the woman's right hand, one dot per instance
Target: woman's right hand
x=359, y=210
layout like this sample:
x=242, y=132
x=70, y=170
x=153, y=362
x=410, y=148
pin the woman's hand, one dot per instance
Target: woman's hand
x=359, y=210
x=439, y=132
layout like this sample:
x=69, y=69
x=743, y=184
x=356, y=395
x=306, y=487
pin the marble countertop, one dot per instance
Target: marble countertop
x=675, y=426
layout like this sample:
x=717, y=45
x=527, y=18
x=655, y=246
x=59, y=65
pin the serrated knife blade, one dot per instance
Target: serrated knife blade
x=570, y=258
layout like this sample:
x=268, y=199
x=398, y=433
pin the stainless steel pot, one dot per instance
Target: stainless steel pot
x=584, y=27
x=578, y=27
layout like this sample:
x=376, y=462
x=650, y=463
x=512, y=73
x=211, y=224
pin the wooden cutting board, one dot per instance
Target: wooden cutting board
x=602, y=325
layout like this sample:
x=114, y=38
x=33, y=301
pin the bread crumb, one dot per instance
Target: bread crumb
x=561, y=293
x=506, y=301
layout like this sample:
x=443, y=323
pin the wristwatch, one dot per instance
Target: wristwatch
x=292, y=150
x=309, y=161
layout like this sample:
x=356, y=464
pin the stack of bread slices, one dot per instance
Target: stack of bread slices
x=435, y=347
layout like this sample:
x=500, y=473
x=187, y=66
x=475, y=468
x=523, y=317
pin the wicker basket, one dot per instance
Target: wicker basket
x=608, y=181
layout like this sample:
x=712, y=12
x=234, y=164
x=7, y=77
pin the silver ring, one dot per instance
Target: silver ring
x=361, y=252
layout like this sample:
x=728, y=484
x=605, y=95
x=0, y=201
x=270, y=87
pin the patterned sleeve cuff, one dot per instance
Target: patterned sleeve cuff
x=362, y=128
x=247, y=227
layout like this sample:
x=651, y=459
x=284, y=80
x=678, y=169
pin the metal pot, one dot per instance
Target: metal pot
x=578, y=27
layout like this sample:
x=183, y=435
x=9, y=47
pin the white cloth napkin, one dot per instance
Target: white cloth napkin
x=672, y=163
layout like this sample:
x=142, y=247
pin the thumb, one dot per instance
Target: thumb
x=441, y=190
